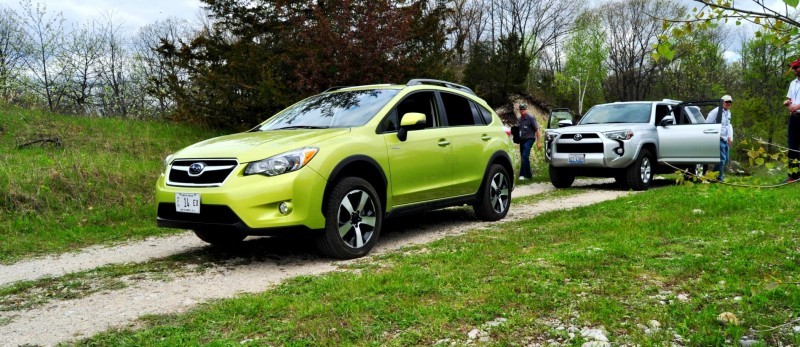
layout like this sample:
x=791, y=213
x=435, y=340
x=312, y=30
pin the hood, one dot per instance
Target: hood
x=252, y=146
x=597, y=127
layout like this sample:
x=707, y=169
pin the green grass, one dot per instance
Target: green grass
x=95, y=188
x=618, y=265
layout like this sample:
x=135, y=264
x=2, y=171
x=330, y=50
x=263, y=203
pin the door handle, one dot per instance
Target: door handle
x=710, y=131
x=486, y=137
x=443, y=143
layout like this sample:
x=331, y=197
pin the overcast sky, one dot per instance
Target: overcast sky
x=131, y=14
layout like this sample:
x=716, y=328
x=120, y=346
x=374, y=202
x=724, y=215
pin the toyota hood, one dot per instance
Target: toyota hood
x=591, y=128
x=253, y=146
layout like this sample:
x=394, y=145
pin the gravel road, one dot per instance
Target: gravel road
x=279, y=259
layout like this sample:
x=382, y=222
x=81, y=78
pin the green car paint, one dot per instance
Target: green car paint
x=339, y=163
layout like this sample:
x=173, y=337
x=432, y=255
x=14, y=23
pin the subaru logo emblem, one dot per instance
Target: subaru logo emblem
x=577, y=137
x=196, y=169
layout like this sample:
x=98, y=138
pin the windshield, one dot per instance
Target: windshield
x=331, y=110
x=618, y=113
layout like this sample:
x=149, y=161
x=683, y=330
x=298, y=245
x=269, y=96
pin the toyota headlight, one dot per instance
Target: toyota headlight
x=626, y=134
x=550, y=136
x=282, y=163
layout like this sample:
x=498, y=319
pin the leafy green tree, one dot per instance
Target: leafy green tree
x=766, y=80
x=697, y=70
x=778, y=23
x=585, y=68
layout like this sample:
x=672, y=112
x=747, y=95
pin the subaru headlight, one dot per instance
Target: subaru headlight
x=626, y=134
x=282, y=163
x=550, y=136
x=167, y=161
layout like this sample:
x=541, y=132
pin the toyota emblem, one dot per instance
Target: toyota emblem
x=196, y=169
x=577, y=137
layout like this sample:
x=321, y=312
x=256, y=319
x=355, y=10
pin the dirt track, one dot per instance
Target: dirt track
x=262, y=264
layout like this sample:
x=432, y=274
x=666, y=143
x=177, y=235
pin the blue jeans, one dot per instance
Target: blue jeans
x=525, y=149
x=723, y=159
x=794, y=144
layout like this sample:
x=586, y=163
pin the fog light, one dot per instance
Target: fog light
x=285, y=208
x=619, y=151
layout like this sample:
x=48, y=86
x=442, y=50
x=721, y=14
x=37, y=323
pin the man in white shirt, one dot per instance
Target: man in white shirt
x=793, y=104
x=725, y=134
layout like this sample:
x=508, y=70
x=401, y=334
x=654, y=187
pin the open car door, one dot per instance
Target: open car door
x=561, y=117
x=683, y=134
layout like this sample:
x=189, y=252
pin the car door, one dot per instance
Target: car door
x=683, y=135
x=421, y=167
x=472, y=142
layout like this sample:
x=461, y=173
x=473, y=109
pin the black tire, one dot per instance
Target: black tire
x=640, y=173
x=494, y=197
x=220, y=237
x=561, y=177
x=353, y=217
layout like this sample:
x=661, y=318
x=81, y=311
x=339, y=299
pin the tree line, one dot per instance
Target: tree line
x=250, y=59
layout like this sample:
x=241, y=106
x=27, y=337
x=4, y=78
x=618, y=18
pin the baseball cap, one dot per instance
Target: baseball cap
x=795, y=63
x=727, y=98
x=523, y=106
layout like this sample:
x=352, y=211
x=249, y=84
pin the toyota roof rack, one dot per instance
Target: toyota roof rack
x=418, y=81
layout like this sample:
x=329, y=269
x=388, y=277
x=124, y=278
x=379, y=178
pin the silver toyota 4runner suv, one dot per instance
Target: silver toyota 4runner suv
x=631, y=141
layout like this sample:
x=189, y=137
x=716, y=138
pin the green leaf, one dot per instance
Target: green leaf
x=655, y=56
x=759, y=161
x=792, y=3
x=666, y=51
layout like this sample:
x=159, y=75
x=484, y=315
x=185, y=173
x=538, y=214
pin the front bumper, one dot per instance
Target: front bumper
x=598, y=152
x=248, y=203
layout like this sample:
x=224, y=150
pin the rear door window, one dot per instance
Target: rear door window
x=458, y=111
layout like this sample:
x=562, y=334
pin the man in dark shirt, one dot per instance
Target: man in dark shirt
x=528, y=133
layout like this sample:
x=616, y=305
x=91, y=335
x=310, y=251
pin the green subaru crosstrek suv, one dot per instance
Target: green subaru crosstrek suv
x=341, y=163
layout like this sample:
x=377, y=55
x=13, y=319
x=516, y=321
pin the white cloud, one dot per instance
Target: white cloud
x=130, y=14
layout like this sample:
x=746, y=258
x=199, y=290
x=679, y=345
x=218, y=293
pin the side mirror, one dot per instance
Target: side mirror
x=410, y=121
x=668, y=120
x=413, y=120
x=564, y=123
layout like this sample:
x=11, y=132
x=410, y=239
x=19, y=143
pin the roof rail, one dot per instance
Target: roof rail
x=418, y=81
x=335, y=88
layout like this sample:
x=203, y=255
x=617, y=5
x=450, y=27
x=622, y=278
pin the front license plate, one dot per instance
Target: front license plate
x=577, y=158
x=187, y=202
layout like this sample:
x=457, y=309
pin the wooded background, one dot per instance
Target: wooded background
x=249, y=59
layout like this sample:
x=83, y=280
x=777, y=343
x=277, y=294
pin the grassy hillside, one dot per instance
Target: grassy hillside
x=95, y=187
x=652, y=269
